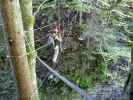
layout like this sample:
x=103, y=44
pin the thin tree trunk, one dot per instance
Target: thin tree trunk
x=132, y=55
x=131, y=78
x=131, y=88
x=28, y=23
x=14, y=28
x=80, y=17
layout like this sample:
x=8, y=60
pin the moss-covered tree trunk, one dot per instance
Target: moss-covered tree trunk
x=28, y=23
x=14, y=28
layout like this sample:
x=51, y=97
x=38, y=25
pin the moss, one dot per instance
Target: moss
x=29, y=21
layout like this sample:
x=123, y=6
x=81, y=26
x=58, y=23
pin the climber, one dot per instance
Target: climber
x=54, y=48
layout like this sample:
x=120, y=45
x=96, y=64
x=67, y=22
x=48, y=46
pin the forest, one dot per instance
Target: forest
x=66, y=49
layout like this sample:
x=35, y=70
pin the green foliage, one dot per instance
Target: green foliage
x=2, y=49
x=85, y=83
x=77, y=28
x=76, y=68
x=50, y=4
x=77, y=5
x=30, y=21
x=7, y=82
x=76, y=65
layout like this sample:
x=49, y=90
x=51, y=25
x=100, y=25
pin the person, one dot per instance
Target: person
x=54, y=42
x=54, y=46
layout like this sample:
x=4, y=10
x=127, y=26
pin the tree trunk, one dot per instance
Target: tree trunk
x=131, y=88
x=28, y=23
x=131, y=78
x=132, y=55
x=14, y=28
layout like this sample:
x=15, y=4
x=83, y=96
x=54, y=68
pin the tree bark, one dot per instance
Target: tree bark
x=14, y=28
x=28, y=23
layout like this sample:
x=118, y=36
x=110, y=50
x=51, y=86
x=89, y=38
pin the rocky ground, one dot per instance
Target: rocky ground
x=113, y=90
x=108, y=92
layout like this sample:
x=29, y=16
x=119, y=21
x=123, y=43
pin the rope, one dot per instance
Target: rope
x=4, y=45
x=66, y=81
x=39, y=28
x=8, y=56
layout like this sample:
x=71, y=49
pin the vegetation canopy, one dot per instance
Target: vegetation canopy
x=83, y=45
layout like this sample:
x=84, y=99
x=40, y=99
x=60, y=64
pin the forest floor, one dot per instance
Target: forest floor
x=110, y=90
x=113, y=90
